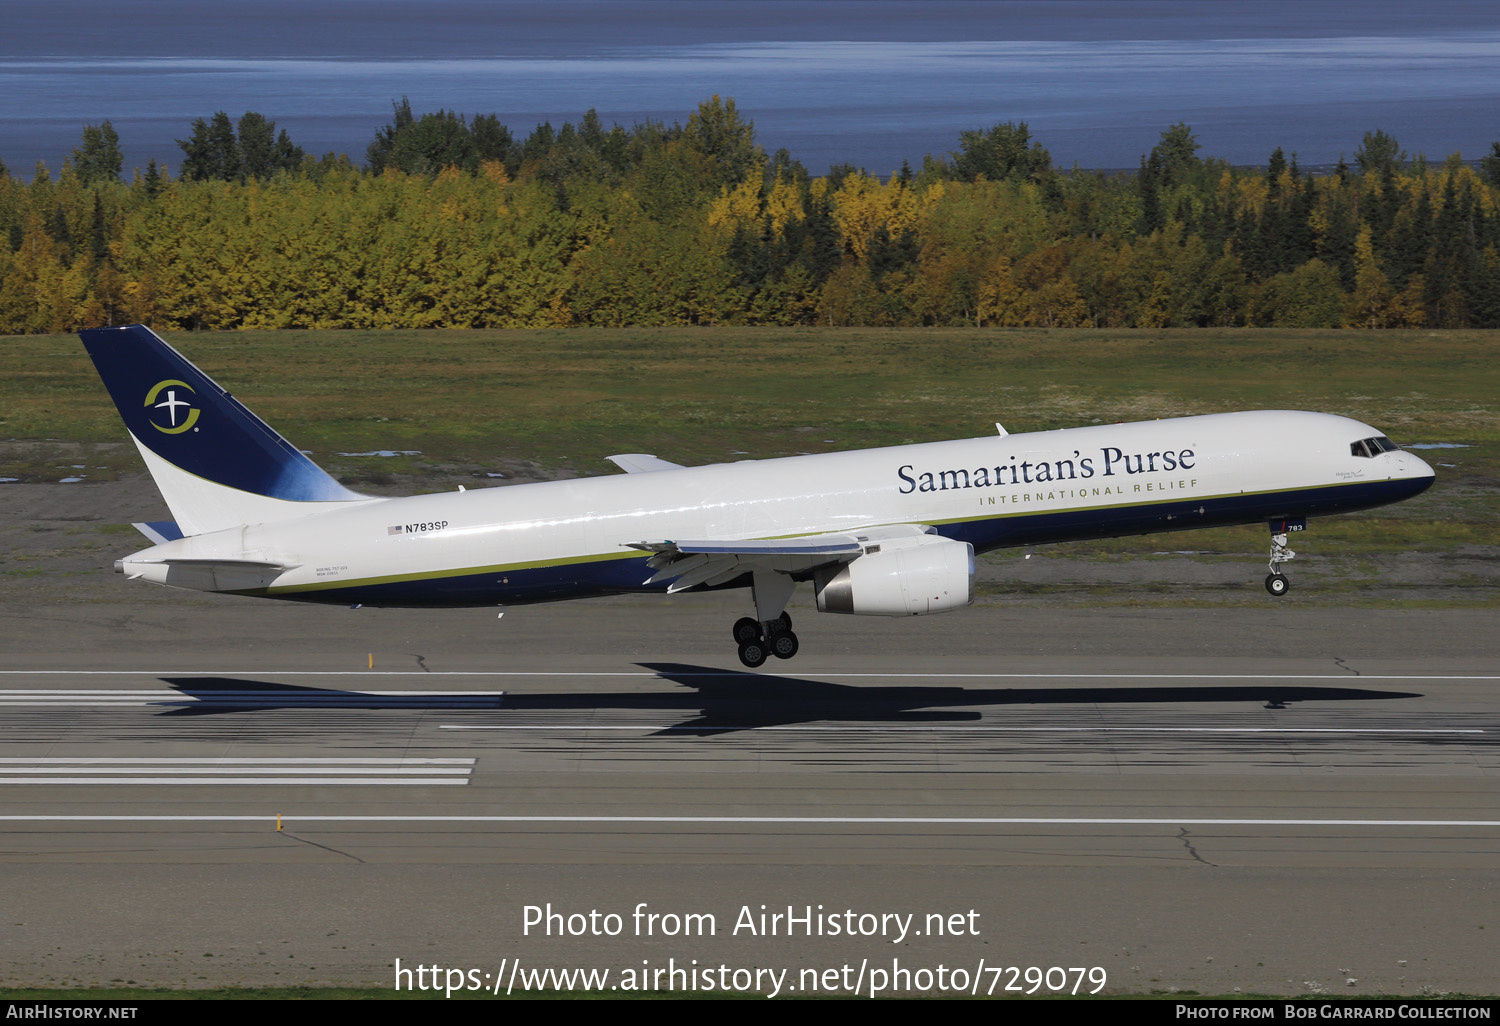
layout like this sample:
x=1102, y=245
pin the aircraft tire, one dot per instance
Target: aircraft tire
x=1277, y=584
x=753, y=653
x=784, y=645
x=746, y=629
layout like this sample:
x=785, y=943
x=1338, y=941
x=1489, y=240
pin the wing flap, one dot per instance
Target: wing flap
x=828, y=545
x=718, y=561
x=690, y=563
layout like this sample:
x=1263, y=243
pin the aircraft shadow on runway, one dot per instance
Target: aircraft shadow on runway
x=750, y=700
x=724, y=701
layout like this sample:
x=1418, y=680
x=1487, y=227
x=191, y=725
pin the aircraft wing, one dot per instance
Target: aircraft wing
x=717, y=561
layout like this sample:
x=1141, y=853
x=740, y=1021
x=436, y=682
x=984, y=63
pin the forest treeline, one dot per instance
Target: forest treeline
x=453, y=222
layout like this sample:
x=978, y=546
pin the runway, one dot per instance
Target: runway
x=1267, y=807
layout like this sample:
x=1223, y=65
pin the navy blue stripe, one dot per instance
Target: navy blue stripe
x=1181, y=515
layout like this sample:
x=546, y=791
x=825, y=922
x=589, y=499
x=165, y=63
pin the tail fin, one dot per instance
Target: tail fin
x=217, y=464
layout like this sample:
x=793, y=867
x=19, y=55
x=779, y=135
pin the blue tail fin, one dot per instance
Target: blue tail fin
x=217, y=464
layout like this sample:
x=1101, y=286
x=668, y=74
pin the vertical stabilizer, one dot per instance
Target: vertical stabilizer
x=217, y=464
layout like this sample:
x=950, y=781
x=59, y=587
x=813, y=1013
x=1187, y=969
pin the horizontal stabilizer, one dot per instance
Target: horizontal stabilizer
x=230, y=564
x=212, y=574
x=641, y=463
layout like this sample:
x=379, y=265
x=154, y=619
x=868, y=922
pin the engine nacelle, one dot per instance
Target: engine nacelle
x=932, y=576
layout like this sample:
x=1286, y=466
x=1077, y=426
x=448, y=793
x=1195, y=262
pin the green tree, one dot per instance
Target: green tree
x=725, y=141
x=1175, y=158
x=1146, y=185
x=1003, y=153
x=433, y=142
x=1379, y=153
x=1491, y=163
x=492, y=140
x=257, y=138
x=153, y=180
x=1308, y=297
x=99, y=158
x=378, y=154
x=262, y=151
x=213, y=152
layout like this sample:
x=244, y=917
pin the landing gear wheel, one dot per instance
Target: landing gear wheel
x=1277, y=584
x=752, y=653
x=784, y=645
x=746, y=629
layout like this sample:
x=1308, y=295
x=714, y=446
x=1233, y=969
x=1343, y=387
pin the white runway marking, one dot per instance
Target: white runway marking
x=109, y=698
x=1173, y=821
x=223, y=781
x=228, y=770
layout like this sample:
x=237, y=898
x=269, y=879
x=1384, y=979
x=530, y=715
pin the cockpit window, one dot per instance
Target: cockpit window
x=1370, y=447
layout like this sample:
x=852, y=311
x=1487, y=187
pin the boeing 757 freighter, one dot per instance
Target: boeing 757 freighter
x=887, y=532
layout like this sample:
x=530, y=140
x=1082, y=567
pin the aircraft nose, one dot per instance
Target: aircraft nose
x=1418, y=469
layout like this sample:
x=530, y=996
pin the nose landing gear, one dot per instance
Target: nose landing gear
x=1276, y=581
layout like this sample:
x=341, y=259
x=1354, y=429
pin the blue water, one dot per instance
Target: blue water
x=871, y=83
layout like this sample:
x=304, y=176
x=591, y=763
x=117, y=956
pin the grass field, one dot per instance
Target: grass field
x=466, y=401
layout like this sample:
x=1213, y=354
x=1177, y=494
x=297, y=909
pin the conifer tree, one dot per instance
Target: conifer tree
x=99, y=158
x=1379, y=153
x=1491, y=164
x=213, y=152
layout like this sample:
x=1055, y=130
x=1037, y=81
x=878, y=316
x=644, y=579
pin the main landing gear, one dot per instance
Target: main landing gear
x=759, y=640
x=1276, y=581
x=768, y=633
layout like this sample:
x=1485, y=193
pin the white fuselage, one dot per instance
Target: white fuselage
x=562, y=539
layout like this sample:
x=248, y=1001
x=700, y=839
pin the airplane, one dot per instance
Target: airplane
x=890, y=531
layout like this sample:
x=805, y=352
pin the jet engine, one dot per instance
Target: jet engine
x=933, y=575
